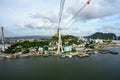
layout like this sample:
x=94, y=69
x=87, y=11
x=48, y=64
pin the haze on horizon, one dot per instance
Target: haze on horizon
x=40, y=17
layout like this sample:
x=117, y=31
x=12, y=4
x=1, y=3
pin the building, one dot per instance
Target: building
x=40, y=50
x=68, y=49
x=98, y=41
x=116, y=41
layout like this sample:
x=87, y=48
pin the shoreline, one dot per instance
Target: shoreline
x=80, y=54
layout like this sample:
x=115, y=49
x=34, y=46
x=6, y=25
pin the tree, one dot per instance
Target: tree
x=26, y=51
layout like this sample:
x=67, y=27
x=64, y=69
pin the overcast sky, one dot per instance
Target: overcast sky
x=40, y=17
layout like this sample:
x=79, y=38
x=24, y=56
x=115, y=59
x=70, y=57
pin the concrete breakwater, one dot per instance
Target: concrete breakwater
x=12, y=56
x=104, y=51
x=17, y=55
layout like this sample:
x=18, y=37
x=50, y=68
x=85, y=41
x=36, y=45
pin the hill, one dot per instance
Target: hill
x=100, y=35
x=29, y=37
x=64, y=38
x=119, y=38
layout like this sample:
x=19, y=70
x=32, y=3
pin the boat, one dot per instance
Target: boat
x=70, y=56
x=63, y=56
x=45, y=55
x=108, y=51
x=83, y=55
x=95, y=52
x=113, y=52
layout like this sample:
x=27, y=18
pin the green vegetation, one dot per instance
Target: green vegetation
x=106, y=36
x=26, y=51
x=54, y=38
x=24, y=46
x=91, y=45
x=68, y=37
x=28, y=44
x=67, y=40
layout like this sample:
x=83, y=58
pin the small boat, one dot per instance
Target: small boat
x=95, y=52
x=45, y=55
x=70, y=56
x=113, y=52
x=83, y=55
x=63, y=56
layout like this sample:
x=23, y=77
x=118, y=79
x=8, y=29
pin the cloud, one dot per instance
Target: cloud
x=110, y=29
x=99, y=15
x=39, y=25
x=96, y=9
x=49, y=16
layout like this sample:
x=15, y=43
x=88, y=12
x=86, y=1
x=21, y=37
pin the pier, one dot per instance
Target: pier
x=78, y=54
x=108, y=51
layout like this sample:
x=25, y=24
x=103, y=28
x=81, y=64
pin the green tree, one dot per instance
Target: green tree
x=26, y=51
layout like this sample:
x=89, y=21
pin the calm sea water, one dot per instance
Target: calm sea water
x=96, y=67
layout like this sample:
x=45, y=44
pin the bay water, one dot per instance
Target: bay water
x=96, y=67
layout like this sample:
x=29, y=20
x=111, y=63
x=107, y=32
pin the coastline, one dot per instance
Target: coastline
x=85, y=53
x=80, y=54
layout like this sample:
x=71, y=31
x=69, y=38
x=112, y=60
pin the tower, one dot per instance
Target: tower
x=3, y=42
x=59, y=42
x=58, y=29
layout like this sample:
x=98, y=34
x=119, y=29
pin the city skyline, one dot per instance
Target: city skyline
x=40, y=17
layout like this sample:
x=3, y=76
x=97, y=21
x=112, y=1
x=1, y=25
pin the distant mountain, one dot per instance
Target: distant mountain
x=119, y=38
x=100, y=35
x=30, y=37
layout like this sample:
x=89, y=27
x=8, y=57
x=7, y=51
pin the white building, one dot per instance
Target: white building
x=40, y=50
x=98, y=41
x=116, y=41
x=68, y=48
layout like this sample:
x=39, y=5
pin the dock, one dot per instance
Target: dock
x=78, y=54
x=83, y=55
x=9, y=56
x=103, y=51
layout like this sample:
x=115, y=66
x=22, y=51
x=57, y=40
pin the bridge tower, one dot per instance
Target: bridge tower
x=3, y=40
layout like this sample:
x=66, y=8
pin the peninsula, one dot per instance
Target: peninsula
x=71, y=46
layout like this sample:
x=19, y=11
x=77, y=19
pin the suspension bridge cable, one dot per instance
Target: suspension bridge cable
x=61, y=11
x=9, y=33
x=79, y=11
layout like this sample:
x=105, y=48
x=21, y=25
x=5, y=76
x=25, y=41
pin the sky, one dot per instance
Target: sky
x=40, y=17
